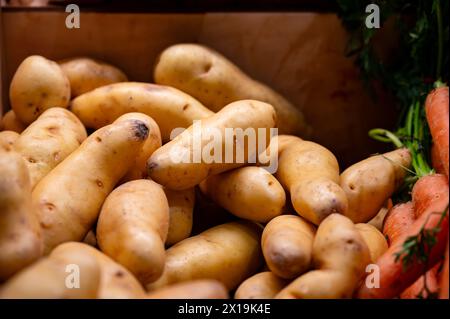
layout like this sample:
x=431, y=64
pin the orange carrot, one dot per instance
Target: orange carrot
x=417, y=289
x=436, y=160
x=444, y=278
x=436, y=108
x=394, y=277
x=397, y=221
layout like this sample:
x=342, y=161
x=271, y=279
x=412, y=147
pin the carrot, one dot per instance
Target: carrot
x=397, y=221
x=436, y=160
x=423, y=194
x=394, y=277
x=436, y=108
x=417, y=289
x=444, y=278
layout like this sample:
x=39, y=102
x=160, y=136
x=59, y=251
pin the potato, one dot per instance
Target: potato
x=181, y=209
x=7, y=139
x=340, y=256
x=55, y=277
x=69, y=198
x=132, y=228
x=378, y=220
x=248, y=192
x=138, y=169
x=167, y=169
x=310, y=173
x=116, y=282
x=369, y=183
x=194, y=289
x=10, y=122
x=264, y=285
x=49, y=140
x=287, y=245
x=37, y=85
x=169, y=107
x=90, y=239
x=20, y=234
x=228, y=253
x=375, y=240
x=212, y=79
x=86, y=74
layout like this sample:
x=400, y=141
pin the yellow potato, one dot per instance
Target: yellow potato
x=37, y=85
x=132, y=228
x=181, y=209
x=20, y=235
x=378, y=220
x=287, y=245
x=138, y=169
x=86, y=74
x=194, y=289
x=69, y=274
x=310, y=173
x=69, y=198
x=340, y=256
x=248, y=192
x=216, y=82
x=264, y=285
x=10, y=122
x=116, y=282
x=375, y=240
x=49, y=140
x=169, y=107
x=7, y=139
x=369, y=183
x=228, y=253
x=183, y=162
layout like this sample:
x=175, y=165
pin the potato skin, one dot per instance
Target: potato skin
x=216, y=82
x=228, y=253
x=7, y=139
x=86, y=74
x=369, y=183
x=287, y=245
x=247, y=192
x=169, y=107
x=20, y=234
x=182, y=175
x=340, y=256
x=181, y=209
x=375, y=240
x=264, y=285
x=46, y=279
x=69, y=198
x=194, y=289
x=37, y=85
x=54, y=135
x=132, y=228
x=10, y=122
x=310, y=173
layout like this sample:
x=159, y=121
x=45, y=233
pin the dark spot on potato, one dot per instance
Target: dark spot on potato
x=49, y=206
x=207, y=67
x=119, y=273
x=44, y=95
x=31, y=160
x=185, y=107
x=53, y=129
x=186, y=199
x=30, y=104
x=99, y=183
x=56, y=155
x=349, y=241
x=351, y=186
x=140, y=130
x=151, y=166
x=98, y=139
x=270, y=183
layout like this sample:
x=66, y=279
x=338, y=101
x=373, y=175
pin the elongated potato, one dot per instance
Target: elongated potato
x=375, y=240
x=181, y=209
x=369, y=183
x=132, y=228
x=116, y=282
x=310, y=173
x=7, y=139
x=138, y=169
x=378, y=220
x=169, y=107
x=20, y=234
x=287, y=245
x=69, y=198
x=37, y=85
x=216, y=82
x=86, y=74
x=212, y=146
x=228, y=253
x=340, y=256
x=194, y=289
x=264, y=285
x=10, y=122
x=70, y=274
x=49, y=140
x=247, y=192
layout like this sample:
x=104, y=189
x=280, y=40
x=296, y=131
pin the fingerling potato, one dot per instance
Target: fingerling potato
x=264, y=285
x=181, y=209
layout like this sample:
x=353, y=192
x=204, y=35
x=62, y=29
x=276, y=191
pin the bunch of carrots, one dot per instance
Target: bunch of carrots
x=416, y=264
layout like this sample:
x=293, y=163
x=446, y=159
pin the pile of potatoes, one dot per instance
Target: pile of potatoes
x=135, y=224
